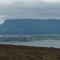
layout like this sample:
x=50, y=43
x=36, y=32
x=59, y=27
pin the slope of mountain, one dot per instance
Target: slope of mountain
x=30, y=27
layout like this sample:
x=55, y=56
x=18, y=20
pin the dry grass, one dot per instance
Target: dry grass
x=10, y=52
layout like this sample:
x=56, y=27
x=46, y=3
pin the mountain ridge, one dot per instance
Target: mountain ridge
x=30, y=27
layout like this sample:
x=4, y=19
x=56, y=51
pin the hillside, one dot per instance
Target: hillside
x=30, y=27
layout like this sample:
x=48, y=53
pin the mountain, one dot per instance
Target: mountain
x=30, y=27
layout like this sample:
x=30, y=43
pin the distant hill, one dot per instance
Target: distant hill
x=30, y=27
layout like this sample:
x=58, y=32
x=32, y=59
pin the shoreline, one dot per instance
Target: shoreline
x=21, y=52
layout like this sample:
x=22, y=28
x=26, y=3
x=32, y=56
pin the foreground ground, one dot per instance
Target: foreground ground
x=10, y=52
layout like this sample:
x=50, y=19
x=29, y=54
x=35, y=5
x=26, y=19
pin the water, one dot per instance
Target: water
x=29, y=27
x=31, y=40
x=41, y=43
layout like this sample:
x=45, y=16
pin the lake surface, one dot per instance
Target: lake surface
x=37, y=41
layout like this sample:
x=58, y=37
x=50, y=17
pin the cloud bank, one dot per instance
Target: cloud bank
x=30, y=8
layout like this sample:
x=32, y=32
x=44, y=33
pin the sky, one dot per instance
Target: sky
x=29, y=9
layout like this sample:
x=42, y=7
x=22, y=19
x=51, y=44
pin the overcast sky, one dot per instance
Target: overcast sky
x=30, y=8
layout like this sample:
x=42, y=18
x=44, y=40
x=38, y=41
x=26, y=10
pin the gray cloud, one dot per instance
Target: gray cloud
x=22, y=9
